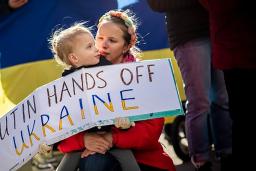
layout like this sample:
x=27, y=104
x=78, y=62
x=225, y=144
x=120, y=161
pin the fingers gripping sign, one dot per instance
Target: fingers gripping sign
x=123, y=123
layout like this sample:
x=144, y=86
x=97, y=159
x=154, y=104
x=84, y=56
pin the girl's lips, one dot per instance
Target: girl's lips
x=103, y=53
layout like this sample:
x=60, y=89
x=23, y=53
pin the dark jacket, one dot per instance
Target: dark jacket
x=186, y=20
x=103, y=61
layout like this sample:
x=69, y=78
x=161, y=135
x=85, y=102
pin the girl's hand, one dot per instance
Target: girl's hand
x=108, y=137
x=86, y=153
x=44, y=148
x=123, y=123
x=96, y=143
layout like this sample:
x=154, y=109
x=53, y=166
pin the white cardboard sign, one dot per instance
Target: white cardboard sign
x=84, y=99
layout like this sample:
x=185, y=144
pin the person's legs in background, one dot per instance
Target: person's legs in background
x=241, y=88
x=194, y=60
x=221, y=121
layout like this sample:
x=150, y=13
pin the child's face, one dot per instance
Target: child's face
x=84, y=51
x=110, y=41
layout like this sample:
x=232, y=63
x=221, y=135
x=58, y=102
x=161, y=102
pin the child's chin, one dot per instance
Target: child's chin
x=96, y=62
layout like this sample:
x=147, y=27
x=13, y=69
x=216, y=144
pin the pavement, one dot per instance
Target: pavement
x=180, y=165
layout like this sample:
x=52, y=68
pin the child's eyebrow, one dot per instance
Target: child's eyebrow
x=111, y=37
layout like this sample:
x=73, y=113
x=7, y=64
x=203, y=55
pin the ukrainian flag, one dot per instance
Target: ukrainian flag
x=25, y=59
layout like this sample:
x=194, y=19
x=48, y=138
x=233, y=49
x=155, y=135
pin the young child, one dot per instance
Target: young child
x=74, y=48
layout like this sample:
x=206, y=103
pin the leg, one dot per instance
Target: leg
x=99, y=162
x=69, y=162
x=126, y=159
x=241, y=91
x=194, y=60
x=220, y=117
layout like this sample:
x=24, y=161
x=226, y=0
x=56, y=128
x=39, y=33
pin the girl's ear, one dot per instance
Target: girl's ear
x=73, y=59
x=126, y=49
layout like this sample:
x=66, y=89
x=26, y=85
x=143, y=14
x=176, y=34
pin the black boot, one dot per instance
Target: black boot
x=226, y=162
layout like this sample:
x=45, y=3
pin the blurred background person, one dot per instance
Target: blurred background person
x=207, y=100
x=233, y=45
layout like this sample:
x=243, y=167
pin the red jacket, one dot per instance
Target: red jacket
x=141, y=139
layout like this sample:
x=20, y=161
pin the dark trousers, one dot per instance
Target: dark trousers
x=99, y=162
x=70, y=161
x=241, y=88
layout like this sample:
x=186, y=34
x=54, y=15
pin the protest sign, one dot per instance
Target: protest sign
x=84, y=99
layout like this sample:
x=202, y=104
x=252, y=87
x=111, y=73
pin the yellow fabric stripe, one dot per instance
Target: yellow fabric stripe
x=17, y=82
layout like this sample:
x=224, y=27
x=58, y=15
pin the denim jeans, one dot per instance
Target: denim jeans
x=206, y=99
x=99, y=162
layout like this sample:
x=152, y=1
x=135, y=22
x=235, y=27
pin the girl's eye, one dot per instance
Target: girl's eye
x=100, y=38
x=111, y=40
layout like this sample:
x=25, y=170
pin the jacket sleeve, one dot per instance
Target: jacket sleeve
x=144, y=135
x=73, y=143
x=167, y=5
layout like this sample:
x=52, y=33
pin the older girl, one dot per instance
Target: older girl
x=116, y=38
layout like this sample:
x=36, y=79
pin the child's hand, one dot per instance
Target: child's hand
x=123, y=123
x=44, y=148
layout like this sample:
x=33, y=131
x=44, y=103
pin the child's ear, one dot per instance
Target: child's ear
x=73, y=59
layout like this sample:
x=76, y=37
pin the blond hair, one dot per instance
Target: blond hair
x=62, y=41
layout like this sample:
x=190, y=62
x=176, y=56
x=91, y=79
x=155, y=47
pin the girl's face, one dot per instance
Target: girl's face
x=110, y=42
x=84, y=51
